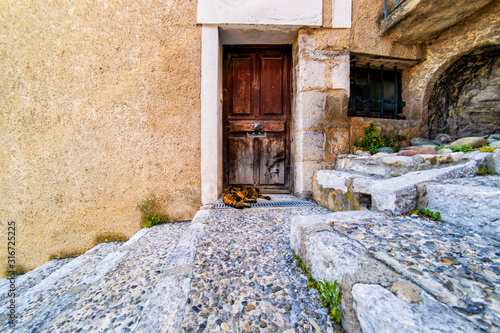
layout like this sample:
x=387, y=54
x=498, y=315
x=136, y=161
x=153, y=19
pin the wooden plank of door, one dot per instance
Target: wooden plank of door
x=242, y=85
x=248, y=126
x=272, y=161
x=241, y=160
x=271, y=85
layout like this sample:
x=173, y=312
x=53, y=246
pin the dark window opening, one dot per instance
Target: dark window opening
x=375, y=92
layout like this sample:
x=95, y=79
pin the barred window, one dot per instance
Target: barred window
x=375, y=92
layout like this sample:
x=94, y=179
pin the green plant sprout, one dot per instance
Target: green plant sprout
x=151, y=221
x=427, y=213
x=484, y=172
x=151, y=212
x=329, y=293
x=371, y=140
x=463, y=149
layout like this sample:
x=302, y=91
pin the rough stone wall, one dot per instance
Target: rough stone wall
x=322, y=129
x=318, y=74
x=479, y=30
x=99, y=112
x=466, y=99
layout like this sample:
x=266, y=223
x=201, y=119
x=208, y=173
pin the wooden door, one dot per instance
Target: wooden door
x=256, y=101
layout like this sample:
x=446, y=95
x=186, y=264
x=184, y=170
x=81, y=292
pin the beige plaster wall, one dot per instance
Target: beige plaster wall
x=481, y=29
x=99, y=110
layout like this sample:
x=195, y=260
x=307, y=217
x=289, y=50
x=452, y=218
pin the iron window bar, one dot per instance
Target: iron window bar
x=398, y=104
x=368, y=92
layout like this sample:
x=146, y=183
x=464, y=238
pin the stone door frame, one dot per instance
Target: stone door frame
x=213, y=39
x=315, y=75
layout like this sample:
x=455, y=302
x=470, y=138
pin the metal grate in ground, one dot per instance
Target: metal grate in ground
x=273, y=204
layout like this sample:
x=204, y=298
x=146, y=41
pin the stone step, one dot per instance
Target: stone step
x=470, y=203
x=58, y=292
x=141, y=285
x=32, y=283
x=403, y=274
x=391, y=165
x=340, y=190
x=30, y=279
x=116, y=301
x=386, y=166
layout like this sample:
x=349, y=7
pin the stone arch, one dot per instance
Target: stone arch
x=465, y=99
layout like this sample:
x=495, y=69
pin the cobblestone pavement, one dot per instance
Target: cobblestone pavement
x=245, y=278
x=459, y=267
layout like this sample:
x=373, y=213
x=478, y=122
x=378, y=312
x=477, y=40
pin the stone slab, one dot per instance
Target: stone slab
x=340, y=190
x=101, y=250
x=472, y=207
x=399, y=195
x=165, y=308
x=335, y=257
x=30, y=279
x=474, y=142
x=494, y=162
x=386, y=272
x=337, y=180
x=379, y=310
x=447, y=261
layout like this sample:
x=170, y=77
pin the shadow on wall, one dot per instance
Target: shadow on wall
x=466, y=98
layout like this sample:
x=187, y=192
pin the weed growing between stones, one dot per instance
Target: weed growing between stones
x=426, y=213
x=463, y=149
x=109, y=237
x=17, y=270
x=329, y=293
x=484, y=172
x=151, y=221
x=487, y=149
x=66, y=254
x=150, y=212
x=371, y=140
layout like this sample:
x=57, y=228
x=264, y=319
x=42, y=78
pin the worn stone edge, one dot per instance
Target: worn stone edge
x=165, y=308
x=303, y=227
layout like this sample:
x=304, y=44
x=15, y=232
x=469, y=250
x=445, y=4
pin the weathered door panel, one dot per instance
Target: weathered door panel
x=272, y=88
x=241, y=160
x=272, y=161
x=256, y=102
x=242, y=85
